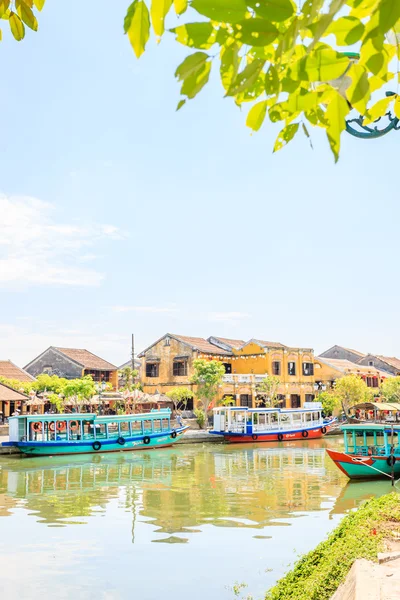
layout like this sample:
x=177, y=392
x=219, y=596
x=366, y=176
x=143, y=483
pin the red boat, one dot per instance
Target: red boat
x=240, y=424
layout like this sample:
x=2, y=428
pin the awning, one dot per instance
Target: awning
x=392, y=406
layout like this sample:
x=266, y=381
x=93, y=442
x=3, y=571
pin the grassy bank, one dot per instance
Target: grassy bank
x=361, y=534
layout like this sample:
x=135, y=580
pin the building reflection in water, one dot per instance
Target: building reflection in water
x=176, y=490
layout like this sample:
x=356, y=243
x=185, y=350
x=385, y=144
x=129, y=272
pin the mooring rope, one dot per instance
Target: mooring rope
x=362, y=459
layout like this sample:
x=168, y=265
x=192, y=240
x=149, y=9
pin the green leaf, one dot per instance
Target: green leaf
x=226, y=11
x=273, y=10
x=25, y=13
x=256, y=115
x=288, y=41
x=272, y=83
x=180, y=6
x=358, y=93
x=285, y=136
x=311, y=10
x=247, y=77
x=347, y=30
x=39, y=4
x=396, y=107
x=322, y=65
x=362, y=8
x=336, y=114
x=4, y=4
x=191, y=64
x=137, y=26
x=389, y=14
x=180, y=104
x=252, y=92
x=195, y=82
x=379, y=109
x=376, y=82
x=256, y=32
x=159, y=10
x=316, y=117
x=16, y=26
x=229, y=64
x=196, y=35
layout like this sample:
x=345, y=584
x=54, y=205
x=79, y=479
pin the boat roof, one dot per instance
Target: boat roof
x=94, y=417
x=371, y=427
x=389, y=406
x=263, y=410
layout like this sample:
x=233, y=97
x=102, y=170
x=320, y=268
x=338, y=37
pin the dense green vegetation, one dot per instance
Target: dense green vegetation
x=317, y=575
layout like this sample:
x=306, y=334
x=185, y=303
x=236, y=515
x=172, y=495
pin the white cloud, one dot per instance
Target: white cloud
x=35, y=249
x=144, y=309
x=227, y=317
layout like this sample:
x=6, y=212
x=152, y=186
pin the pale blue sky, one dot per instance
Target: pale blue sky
x=120, y=215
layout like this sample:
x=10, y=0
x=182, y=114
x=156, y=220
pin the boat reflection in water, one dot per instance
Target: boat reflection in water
x=177, y=489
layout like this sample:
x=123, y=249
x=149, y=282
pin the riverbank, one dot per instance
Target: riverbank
x=373, y=528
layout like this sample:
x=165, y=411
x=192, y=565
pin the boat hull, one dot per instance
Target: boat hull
x=364, y=467
x=90, y=446
x=276, y=436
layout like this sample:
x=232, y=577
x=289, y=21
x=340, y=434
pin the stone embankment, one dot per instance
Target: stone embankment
x=370, y=581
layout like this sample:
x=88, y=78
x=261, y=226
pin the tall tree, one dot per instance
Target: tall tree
x=207, y=376
x=180, y=396
x=267, y=391
x=390, y=389
x=350, y=390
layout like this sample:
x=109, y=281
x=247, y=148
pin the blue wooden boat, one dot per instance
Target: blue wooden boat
x=87, y=433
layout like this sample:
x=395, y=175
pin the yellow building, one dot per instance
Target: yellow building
x=168, y=363
x=327, y=370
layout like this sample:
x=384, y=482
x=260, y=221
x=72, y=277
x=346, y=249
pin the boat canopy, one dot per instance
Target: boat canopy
x=371, y=427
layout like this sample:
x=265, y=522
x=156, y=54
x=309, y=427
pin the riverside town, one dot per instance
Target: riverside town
x=277, y=423
x=199, y=329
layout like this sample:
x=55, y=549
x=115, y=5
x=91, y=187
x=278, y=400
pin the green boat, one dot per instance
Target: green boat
x=87, y=433
x=370, y=451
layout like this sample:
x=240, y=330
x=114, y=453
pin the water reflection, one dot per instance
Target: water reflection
x=177, y=489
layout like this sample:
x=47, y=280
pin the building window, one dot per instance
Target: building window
x=167, y=341
x=152, y=369
x=276, y=367
x=98, y=376
x=291, y=368
x=309, y=398
x=228, y=368
x=179, y=368
x=372, y=382
x=371, y=363
x=295, y=401
x=308, y=369
x=245, y=400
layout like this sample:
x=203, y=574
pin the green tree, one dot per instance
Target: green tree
x=288, y=61
x=350, y=390
x=180, y=396
x=129, y=376
x=267, y=391
x=79, y=390
x=207, y=376
x=303, y=64
x=390, y=389
x=329, y=402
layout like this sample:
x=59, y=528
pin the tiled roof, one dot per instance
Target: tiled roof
x=269, y=344
x=201, y=344
x=7, y=394
x=347, y=365
x=360, y=354
x=390, y=360
x=232, y=343
x=87, y=359
x=11, y=371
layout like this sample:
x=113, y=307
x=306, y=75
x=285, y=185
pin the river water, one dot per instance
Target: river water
x=182, y=523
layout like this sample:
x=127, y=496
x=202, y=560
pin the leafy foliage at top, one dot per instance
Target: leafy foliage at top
x=207, y=375
x=20, y=13
x=304, y=65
